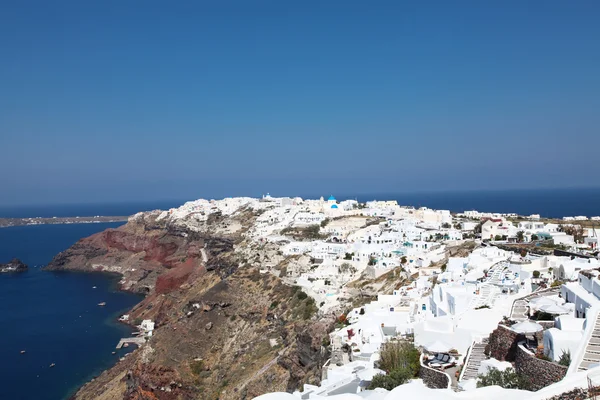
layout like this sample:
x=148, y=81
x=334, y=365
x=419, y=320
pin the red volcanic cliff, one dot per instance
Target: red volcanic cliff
x=217, y=317
x=146, y=254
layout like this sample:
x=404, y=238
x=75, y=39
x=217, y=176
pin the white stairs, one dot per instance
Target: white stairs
x=495, y=274
x=476, y=356
x=592, y=350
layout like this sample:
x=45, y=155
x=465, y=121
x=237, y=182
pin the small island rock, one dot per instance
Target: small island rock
x=15, y=265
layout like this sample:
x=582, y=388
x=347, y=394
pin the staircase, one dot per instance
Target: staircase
x=495, y=273
x=487, y=295
x=519, y=310
x=592, y=350
x=476, y=356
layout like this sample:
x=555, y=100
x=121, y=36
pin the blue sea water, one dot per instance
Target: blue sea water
x=549, y=203
x=54, y=316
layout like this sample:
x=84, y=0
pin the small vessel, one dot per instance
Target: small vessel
x=23, y=352
x=102, y=304
x=93, y=287
x=125, y=344
x=52, y=365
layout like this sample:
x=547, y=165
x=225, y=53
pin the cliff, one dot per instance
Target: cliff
x=14, y=265
x=223, y=329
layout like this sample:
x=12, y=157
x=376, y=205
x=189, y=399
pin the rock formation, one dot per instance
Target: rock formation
x=223, y=329
x=14, y=265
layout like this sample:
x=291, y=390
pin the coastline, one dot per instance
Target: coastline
x=13, y=222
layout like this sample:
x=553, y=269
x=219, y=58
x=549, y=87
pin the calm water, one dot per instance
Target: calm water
x=554, y=203
x=54, y=316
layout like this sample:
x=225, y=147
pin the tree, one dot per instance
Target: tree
x=498, y=238
x=391, y=380
x=508, y=379
x=372, y=260
x=565, y=358
x=443, y=268
x=446, y=225
x=574, y=230
x=312, y=232
x=324, y=222
x=536, y=274
x=523, y=252
x=520, y=236
x=534, y=237
x=399, y=355
x=403, y=260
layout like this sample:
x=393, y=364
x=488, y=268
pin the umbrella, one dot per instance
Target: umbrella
x=542, y=301
x=527, y=327
x=437, y=347
x=553, y=309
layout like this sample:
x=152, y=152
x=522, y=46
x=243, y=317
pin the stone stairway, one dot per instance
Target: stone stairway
x=476, y=356
x=592, y=350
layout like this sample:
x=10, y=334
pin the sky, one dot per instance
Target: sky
x=143, y=100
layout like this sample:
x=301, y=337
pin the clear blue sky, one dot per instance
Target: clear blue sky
x=130, y=100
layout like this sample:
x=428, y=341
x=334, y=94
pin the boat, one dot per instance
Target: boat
x=93, y=287
x=22, y=351
x=52, y=365
x=102, y=304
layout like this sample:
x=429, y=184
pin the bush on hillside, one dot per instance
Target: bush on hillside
x=507, y=379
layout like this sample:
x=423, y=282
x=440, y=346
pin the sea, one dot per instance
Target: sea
x=55, y=318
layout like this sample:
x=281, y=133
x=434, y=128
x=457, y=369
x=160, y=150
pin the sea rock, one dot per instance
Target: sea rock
x=208, y=326
x=14, y=265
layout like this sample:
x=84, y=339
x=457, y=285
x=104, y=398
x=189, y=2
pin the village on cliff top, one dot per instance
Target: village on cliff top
x=479, y=294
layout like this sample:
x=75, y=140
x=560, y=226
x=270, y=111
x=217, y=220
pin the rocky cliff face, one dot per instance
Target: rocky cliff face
x=223, y=329
x=14, y=265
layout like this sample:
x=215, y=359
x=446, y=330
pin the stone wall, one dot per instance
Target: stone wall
x=433, y=379
x=503, y=344
x=541, y=373
x=575, y=394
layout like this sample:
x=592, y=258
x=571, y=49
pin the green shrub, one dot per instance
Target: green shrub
x=565, y=358
x=543, y=316
x=390, y=381
x=301, y=295
x=507, y=379
x=197, y=366
x=536, y=274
